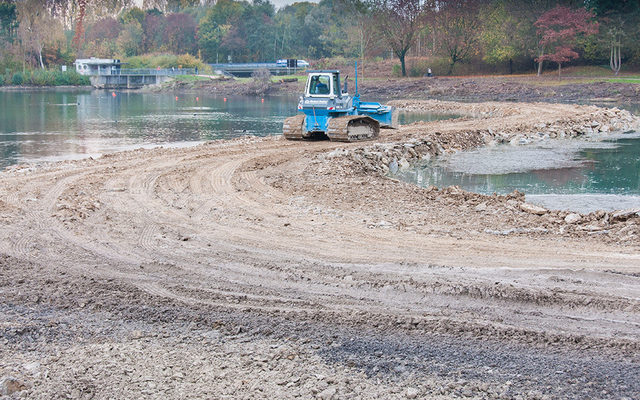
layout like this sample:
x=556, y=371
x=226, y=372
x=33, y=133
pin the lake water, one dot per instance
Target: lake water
x=573, y=175
x=52, y=125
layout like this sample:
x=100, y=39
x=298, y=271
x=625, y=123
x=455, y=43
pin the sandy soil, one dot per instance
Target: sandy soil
x=262, y=268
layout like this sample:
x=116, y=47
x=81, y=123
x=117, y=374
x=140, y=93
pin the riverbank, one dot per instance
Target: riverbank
x=36, y=88
x=279, y=269
x=582, y=90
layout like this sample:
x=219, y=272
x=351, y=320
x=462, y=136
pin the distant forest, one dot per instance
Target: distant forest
x=495, y=36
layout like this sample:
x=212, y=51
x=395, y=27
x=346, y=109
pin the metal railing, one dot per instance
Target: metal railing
x=152, y=71
x=248, y=66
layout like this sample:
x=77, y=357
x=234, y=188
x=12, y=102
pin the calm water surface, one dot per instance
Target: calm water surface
x=54, y=125
x=563, y=174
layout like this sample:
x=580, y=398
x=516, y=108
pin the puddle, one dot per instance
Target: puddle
x=576, y=175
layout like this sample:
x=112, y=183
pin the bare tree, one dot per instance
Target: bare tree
x=37, y=29
x=399, y=22
x=615, y=57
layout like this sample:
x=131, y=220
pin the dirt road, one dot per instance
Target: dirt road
x=262, y=268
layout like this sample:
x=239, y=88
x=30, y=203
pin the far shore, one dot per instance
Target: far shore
x=35, y=88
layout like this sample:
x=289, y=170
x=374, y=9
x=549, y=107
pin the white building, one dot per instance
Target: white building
x=97, y=66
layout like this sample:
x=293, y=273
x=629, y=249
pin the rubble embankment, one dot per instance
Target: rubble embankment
x=486, y=124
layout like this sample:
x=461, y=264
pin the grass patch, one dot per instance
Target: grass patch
x=630, y=79
x=553, y=82
x=190, y=78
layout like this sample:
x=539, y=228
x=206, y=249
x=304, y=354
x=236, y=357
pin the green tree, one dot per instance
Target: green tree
x=290, y=30
x=129, y=41
x=8, y=21
x=215, y=25
x=499, y=35
x=133, y=14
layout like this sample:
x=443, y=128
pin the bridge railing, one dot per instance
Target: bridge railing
x=247, y=66
x=154, y=71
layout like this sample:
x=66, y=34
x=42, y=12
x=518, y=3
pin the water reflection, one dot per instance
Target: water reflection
x=54, y=125
x=565, y=168
x=50, y=125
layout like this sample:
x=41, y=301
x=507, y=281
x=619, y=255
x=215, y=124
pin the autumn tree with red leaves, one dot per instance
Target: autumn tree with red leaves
x=558, y=29
x=77, y=37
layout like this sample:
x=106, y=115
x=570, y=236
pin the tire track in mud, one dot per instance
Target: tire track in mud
x=250, y=204
x=265, y=253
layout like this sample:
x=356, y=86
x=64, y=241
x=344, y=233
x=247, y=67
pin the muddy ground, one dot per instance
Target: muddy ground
x=264, y=268
x=379, y=85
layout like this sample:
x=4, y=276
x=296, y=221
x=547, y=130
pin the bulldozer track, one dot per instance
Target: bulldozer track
x=292, y=129
x=352, y=128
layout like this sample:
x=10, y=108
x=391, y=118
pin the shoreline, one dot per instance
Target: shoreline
x=35, y=88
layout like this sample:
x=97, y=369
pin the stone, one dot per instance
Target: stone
x=533, y=209
x=403, y=164
x=625, y=214
x=136, y=334
x=572, y=218
x=10, y=385
x=411, y=393
x=393, y=166
x=327, y=394
x=481, y=207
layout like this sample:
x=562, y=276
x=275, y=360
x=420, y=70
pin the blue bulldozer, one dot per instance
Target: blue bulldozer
x=327, y=110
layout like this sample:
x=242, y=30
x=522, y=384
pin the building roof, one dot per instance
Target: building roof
x=98, y=61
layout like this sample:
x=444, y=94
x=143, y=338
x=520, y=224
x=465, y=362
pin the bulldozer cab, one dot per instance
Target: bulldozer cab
x=323, y=84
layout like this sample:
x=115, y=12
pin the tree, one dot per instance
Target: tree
x=257, y=28
x=458, y=24
x=37, y=29
x=77, y=38
x=133, y=14
x=399, y=22
x=101, y=37
x=153, y=30
x=499, y=35
x=180, y=33
x=558, y=29
x=215, y=25
x=129, y=41
x=619, y=18
x=8, y=21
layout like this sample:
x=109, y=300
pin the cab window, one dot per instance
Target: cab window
x=319, y=84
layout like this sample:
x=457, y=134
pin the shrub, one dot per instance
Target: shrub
x=397, y=70
x=61, y=78
x=420, y=68
x=42, y=78
x=76, y=79
x=17, y=79
x=1, y=80
x=261, y=80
